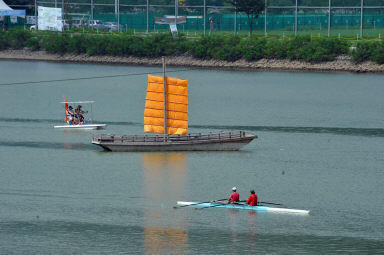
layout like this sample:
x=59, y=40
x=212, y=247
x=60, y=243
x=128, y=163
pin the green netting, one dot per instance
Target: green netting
x=225, y=22
x=312, y=16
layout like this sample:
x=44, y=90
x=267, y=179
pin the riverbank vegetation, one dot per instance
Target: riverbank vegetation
x=228, y=48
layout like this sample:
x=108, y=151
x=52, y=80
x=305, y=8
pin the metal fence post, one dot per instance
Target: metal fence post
x=265, y=17
x=329, y=18
x=92, y=9
x=235, y=21
x=176, y=11
x=296, y=19
x=37, y=23
x=361, y=18
x=204, y=18
x=118, y=15
x=147, y=16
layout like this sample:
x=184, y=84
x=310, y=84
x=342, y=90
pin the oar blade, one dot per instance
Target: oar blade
x=198, y=203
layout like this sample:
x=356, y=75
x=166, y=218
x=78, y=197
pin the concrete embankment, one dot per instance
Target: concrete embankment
x=341, y=64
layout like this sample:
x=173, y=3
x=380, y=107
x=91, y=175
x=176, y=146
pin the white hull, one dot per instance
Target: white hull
x=83, y=127
x=244, y=207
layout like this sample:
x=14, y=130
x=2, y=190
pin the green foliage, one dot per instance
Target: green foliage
x=315, y=49
x=229, y=49
x=4, y=44
x=373, y=51
x=56, y=42
x=98, y=46
x=33, y=43
x=363, y=52
x=296, y=46
x=276, y=49
x=205, y=47
x=378, y=53
x=78, y=44
x=159, y=45
x=17, y=38
x=253, y=48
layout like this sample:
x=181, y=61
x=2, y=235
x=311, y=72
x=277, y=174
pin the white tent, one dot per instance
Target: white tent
x=5, y=10
x=4, y=6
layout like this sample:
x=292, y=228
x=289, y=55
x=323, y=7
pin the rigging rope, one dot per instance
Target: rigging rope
x=90, y=78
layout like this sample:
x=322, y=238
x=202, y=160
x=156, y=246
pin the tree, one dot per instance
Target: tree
x=19, y=2
x=250, y=7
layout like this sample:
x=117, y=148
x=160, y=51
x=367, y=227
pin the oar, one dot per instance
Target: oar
x=269, y=203
x=199, y=203
x=210, y=206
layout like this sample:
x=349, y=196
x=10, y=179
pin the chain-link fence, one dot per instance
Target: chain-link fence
x=355, y=19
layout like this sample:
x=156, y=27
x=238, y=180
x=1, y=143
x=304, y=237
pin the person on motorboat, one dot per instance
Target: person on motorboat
x=82, y=120
x=234, y=198
x=79, y=114
x=79, y=111
x=252, y=199
x=71, y=113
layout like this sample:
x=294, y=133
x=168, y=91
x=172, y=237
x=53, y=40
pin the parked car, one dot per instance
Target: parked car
x=96, y=25
x=65, y=26
x=79, y=23
x=111, y=26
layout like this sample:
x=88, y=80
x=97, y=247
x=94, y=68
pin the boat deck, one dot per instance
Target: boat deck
x=232, y=140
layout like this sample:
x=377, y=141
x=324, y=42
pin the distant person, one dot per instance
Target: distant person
x=234, y=198
x=252, y=199
x=5, y=27
x=70, y=111
x=79, y=110
x=82, y=120
x=71, y=114
x=79, y=113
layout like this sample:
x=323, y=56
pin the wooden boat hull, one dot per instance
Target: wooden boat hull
x=230, y=141
x=83, y=126
x=245, y=207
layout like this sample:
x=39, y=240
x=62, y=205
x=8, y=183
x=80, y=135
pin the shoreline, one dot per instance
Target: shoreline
x=341, y=64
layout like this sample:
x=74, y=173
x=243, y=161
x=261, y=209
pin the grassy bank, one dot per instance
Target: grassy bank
x=228, y=48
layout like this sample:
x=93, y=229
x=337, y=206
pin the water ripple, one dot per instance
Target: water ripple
x=370, y=132
x=48, y=145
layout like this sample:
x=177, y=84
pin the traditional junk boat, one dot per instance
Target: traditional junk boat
x=171, y=120
x=82, y=124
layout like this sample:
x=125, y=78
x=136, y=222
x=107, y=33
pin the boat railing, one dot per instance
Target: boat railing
x=172, y=138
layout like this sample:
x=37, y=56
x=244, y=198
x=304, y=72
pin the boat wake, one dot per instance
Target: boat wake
x=55, y=121
x=369, y=132
x=374, y=132
x=47, y=145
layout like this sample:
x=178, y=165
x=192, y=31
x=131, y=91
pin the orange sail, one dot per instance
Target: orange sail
x=177, y=106
x=66, y=110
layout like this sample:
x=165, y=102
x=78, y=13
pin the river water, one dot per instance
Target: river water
x=320, y=148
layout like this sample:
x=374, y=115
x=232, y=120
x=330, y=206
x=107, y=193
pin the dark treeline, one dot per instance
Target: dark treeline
x=228, y=48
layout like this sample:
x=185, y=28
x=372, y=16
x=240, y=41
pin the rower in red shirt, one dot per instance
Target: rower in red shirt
x=252, y=199
x=234, y=198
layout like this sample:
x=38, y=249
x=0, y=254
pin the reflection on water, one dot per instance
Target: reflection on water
x=164, y=178
x=252, y=231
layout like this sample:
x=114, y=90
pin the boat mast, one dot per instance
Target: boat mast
x=165, y=98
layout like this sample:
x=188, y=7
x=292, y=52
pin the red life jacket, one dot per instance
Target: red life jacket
x=252, y=200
